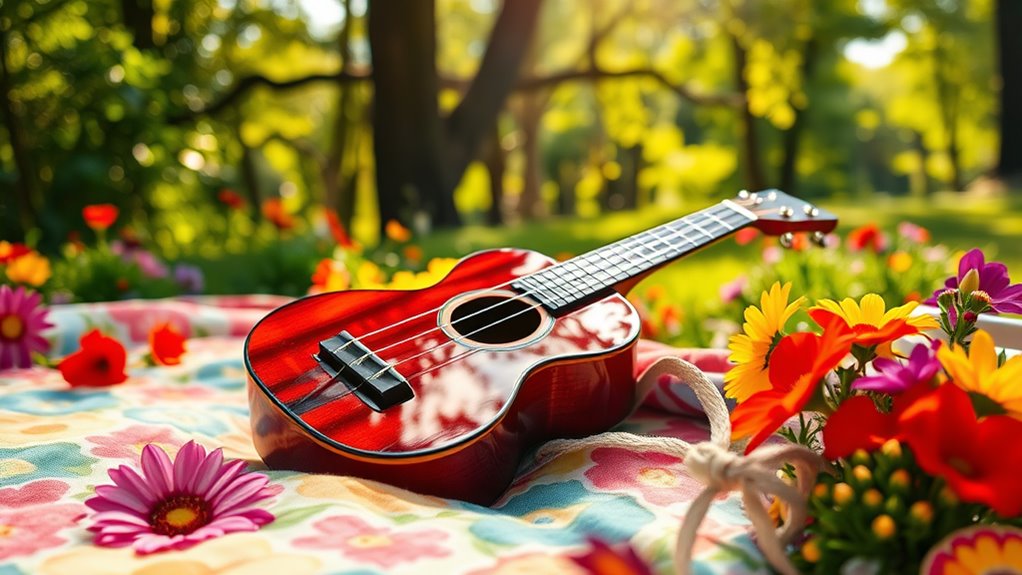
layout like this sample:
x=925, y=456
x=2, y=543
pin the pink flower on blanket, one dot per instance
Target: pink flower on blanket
x=658, y=477
x=29, y=519
x=382, y=546
x=128, y=443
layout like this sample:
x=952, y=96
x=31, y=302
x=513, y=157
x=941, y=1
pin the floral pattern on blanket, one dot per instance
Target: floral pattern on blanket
x=56, y=445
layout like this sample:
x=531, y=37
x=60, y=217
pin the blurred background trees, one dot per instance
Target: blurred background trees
x=204, y=119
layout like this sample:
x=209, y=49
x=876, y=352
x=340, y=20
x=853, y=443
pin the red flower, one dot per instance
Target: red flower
x=10, y=252
x=746, y=235
x=797, y=364
x=231, y=199
x=981, y=460
x=99, y=362
x=166, y=344
x=858, y=425
x=602, y=559
x=100, y=216
x=337, y=230
x=867, y=236
x=273, y=210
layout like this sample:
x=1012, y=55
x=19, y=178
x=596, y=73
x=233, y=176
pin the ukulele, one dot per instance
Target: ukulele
x=442, y=390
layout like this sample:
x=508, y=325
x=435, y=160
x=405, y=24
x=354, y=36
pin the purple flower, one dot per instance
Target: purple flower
x=895, y=377
x=189, y=278
x=993, y=279
x=174, y=505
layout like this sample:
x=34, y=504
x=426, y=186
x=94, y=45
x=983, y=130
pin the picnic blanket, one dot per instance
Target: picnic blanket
x=57, y=443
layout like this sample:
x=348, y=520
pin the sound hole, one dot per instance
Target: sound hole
x=495, y=320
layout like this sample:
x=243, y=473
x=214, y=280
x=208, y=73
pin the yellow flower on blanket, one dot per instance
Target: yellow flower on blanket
x=976, y=550
x=751, y=349
x=377, y=497
x=17, y=429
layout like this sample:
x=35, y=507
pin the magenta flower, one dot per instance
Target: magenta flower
x=895, y=377
x=21, y=321
x=384, y=546
x=993, y=279
x=176, y=505
x=732, y=290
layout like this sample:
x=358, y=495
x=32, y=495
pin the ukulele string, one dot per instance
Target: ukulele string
x=528, y=308
x=709, y=217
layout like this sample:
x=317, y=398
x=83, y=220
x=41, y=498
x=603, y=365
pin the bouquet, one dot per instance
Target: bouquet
x=918, y=417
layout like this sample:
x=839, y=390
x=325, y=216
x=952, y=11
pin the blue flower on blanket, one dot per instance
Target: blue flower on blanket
x=560, y=514
x=209, y=422
x=58, y=402
x=225, y=374
x=25, y=464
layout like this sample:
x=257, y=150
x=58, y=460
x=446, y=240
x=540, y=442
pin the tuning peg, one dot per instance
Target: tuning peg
x=787, y=239
x=820, y=239
x=743, y=194
x=786, y=211
x=811, y=210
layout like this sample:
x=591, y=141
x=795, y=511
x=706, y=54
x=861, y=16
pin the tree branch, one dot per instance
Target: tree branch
x=245, y=84
x=533, y=83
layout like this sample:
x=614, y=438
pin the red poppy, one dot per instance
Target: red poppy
x=273, y=210
x=867, y=236
x=100, y=362
x=166, y=344
x=231, y=199
x=980, y=460
x=857, y=424
x=337, y=230
x=100, y=216
x=797, y=365
x=746, y=236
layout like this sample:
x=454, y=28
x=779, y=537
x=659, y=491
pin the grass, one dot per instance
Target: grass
x=959, y=221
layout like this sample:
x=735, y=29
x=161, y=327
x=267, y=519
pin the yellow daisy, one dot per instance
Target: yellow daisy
x=977, y=373
x=750, y=350
x=871, y=321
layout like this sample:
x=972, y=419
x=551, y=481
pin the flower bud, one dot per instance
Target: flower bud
x=921, y=511
x=843, y=493
x=811, y=550
x=900, y=480
x=872, y=498
x=969, y=316
x=820, y=490
x=979, y=301
x=891, y=448
x=862, y=474
x=946, y=299
x=969, y=283
x=884, y=527
x=947, y=496
x=860, y=457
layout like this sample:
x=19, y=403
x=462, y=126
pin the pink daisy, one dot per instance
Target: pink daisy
x=21, y=321
x=174, y=505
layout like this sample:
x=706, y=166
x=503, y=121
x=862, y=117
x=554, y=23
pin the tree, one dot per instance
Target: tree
x=1009, y=50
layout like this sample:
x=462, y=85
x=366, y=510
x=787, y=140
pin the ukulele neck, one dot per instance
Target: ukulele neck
x=588, y=277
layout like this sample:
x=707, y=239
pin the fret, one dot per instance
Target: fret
x=570, y=283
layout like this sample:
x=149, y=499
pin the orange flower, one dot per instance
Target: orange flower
x=100, y=216
x=397, y=232
x=274, y=212
x=746, y=236
x=871, y=321
x=330, y=275
x=797, y=365
x=166, y=344
x=100, y=362
x=31, y=268
x=413, y=253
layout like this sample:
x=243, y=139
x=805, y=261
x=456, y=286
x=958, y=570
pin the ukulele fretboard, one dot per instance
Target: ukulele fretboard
x=592, y=275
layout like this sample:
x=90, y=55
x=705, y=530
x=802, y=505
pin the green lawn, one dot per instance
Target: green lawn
x=959, y=221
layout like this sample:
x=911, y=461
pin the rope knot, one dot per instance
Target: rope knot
x=714, y=466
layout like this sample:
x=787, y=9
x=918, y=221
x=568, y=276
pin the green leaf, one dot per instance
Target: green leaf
x=296, y=516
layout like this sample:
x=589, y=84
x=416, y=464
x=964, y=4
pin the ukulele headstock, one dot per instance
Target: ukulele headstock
x=778, y=214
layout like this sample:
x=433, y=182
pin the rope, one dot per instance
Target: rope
x=720, y=469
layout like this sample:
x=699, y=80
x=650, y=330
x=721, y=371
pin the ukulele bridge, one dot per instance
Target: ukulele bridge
x=370, y=378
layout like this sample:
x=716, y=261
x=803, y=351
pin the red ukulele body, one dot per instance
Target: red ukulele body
x=442, y=390
x=472, y=418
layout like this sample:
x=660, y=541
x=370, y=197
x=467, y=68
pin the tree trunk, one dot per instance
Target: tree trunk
x=339, y=195
x=1009, y=42
x=493, y=158
x=530, y=202
x=792, y=138
x=754, y=179
x=138, y=17
x=25, y=185
x=407, y=132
